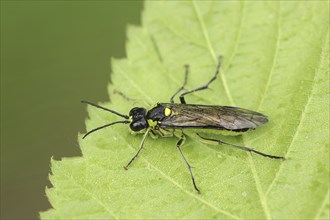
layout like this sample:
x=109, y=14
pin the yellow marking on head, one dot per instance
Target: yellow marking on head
x=152, y=123
x=167, y=112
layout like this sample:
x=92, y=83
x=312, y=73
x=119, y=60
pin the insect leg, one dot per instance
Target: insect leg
x=213, y=141
x=123, y=95
x=129, y=98
x=178, y=145
x=183, y=101
x=184, y=83
x=137, y=153
x=153, y=134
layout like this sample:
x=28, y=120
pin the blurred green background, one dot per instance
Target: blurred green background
x=53, y=54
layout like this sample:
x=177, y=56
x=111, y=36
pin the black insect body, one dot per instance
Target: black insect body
x=173, y=119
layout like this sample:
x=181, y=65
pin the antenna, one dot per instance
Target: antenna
x=107, y=125
x=104, y=126
x=106, y=109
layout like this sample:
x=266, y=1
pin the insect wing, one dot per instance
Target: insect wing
x=212, y=117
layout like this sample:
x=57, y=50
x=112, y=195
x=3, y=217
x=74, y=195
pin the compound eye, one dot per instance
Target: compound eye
x=133, y=111
x=137, y=113
x=138, y=125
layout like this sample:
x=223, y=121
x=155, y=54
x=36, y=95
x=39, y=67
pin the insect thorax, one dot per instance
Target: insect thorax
x=157, y=114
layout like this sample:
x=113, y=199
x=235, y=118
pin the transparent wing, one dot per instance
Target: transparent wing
x=212, y=117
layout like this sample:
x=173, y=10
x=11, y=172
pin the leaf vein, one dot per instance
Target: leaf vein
x=211, y=50
x=91, y=195
x=302, y=117
x=323, y=205
x=178, y=185
x=262, y=195
x=135, y=85
x=271, y=72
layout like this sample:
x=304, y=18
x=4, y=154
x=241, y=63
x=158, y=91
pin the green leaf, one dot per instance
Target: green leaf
x=276, y=61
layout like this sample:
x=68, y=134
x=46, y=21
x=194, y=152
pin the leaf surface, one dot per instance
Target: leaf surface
x=276, y=61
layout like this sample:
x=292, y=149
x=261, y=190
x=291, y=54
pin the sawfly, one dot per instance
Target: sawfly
x=181, y=119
